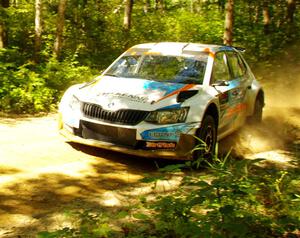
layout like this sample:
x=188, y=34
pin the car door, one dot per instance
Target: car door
x=241, y=81
x=228, y=86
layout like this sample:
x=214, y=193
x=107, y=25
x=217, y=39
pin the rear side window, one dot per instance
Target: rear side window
x=237, y=66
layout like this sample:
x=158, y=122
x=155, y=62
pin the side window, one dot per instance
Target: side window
x=220, y=69
x=238, y=67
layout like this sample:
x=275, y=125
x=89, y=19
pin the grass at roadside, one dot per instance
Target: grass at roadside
x=233, y=199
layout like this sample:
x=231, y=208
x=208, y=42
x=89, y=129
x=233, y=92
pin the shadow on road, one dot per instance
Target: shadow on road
x=112, y=181
x=135, y=162
x=6, y=170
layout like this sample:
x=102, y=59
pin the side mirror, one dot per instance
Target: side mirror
x=220, y=83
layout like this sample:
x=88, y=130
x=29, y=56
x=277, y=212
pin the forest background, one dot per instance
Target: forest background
x=46, y=46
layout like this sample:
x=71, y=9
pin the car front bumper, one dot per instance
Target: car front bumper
x=181, y=152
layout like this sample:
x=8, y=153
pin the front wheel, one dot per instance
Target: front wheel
x=206, y=138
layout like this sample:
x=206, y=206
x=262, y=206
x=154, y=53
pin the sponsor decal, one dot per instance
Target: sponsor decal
x=171, y=133
x=232, y=101
x=159, y=134
x=161, y=145
x=133, y=98
x=237, y=109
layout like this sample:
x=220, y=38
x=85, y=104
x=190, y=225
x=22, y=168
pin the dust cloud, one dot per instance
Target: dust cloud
x=277, y=139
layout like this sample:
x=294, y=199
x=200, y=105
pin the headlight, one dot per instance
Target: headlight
x=168, y=116
x=74, y=103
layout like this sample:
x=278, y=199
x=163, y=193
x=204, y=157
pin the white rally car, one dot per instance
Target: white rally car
x=156, y=98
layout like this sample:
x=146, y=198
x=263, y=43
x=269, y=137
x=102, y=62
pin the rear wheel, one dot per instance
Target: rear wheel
x=206, y=139
x=256, y=117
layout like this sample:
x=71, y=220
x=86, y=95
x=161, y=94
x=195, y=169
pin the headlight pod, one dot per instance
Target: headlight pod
x=168, y=116
x=74, y=103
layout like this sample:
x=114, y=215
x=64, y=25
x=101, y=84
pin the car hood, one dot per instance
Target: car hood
x=114, y=93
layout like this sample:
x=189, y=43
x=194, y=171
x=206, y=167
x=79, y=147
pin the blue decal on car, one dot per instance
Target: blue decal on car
x=170, y=133
x=167, y=88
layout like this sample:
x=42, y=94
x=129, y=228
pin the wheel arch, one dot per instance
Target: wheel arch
x=213, y=111
x=260, y=94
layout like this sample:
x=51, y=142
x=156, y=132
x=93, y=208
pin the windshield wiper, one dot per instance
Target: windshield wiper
x=191, y=81
x=112, y=75
x=187, y=81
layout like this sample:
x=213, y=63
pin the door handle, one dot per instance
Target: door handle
x=235, y=93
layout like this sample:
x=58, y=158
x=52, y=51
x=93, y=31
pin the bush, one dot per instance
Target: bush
x=238, y=199
x=31, y=89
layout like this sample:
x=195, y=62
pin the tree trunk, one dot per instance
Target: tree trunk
x=221, y=5
x=127, y=22
x=3, y=32
x=146, y=6
x=60, y=28
x=5, y=3
x=14, y=3
x=228, y=33
x=196, y=6
x=257, y=11
x=266, y=17
x=159, y=4
x=127, y=15
x=291, y=8
x=253, y=13
x=2, y=36
x=38, y=30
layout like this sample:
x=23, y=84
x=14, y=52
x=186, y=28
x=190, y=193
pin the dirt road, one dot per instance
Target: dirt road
x=41, y=174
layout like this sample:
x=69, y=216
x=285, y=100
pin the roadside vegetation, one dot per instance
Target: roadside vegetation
x=232, y=199
x=46, y=46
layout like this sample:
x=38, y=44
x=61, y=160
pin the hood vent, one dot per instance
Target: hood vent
x=184, y=95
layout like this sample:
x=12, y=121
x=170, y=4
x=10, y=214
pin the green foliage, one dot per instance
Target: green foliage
x=94, y=37
x=91, y=225
x=236, y=202
x=29, y=88
x=238, y=199
x=23, y=91
x=61, y=75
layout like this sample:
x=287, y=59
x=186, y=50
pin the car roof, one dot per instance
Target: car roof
x=177, y=48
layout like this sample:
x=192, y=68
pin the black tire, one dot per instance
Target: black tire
x=208, y=134
x=256, y=117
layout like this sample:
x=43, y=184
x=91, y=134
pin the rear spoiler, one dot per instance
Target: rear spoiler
x=241, y=49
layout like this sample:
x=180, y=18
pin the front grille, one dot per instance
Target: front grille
x=123, y=116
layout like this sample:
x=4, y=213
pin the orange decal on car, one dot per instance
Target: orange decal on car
x=185, y=88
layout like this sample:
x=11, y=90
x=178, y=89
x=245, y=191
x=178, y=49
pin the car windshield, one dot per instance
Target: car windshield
x=174, y=69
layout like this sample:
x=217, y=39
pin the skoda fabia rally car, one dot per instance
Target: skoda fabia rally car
x=163, y=99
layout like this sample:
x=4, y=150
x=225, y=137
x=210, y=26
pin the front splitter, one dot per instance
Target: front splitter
x=183, y=154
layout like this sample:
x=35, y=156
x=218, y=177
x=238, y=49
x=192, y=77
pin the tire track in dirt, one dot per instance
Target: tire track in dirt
x=41, y=174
